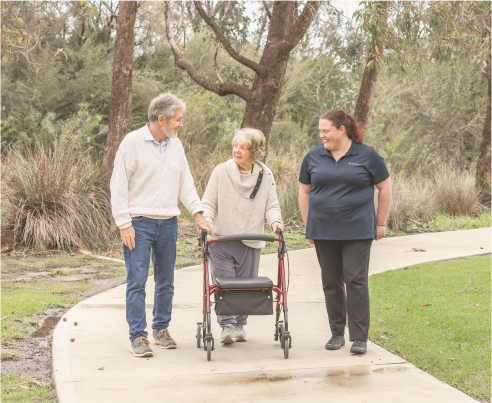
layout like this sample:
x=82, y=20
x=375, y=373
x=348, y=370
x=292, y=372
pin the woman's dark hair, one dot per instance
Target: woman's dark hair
x=338, y=117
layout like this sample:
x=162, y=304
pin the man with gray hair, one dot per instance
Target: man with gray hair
x=150, y=174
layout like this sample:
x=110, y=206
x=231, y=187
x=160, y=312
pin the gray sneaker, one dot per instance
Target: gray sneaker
x=227, y=336
x=140, y=347
x=335, y=343
x=359, y=347
x=240, y=333
x=164, y=339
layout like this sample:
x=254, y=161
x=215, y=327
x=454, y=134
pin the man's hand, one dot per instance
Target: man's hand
x=128, y=237
x=201, y=223
x=311, y=241
x=277, y=225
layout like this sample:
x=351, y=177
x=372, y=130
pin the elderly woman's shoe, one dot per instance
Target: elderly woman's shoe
x=335, y=343
x=227, y=336
x=240, y=333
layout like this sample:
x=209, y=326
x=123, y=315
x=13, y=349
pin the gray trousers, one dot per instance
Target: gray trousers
x=346, y=262
x=233, y=259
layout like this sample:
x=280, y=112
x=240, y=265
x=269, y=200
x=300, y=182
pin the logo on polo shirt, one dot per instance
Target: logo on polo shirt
x=353, y=163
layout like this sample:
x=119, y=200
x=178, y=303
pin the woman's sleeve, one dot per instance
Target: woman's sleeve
x=210, y=197
x=377, y=168
x=305, y=173
x=272, y=210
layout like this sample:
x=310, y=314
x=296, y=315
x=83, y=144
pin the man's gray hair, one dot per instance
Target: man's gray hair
x=165, y=105
x=254, y=139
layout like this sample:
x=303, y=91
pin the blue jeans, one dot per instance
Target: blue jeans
x=154, y=239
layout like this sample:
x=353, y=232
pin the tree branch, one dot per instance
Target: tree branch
x=299, y=28
x=220, y=89
x=216, y=67
x=258, y=68
x=268, y=13
x=111, y=10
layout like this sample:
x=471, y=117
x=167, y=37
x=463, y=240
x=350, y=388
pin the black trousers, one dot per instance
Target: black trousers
x=344, y=272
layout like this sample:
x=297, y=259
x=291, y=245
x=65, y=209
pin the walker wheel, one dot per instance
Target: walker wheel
x=286, y=349
x=209, y=349
x=198, y=336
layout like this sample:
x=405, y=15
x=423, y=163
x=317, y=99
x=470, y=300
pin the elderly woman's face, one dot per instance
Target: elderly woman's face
x=241, y=154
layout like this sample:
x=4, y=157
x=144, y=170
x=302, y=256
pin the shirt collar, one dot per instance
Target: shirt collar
x=148, y=135
x=353, y=150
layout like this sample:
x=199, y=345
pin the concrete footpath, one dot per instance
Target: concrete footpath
x=98, y=365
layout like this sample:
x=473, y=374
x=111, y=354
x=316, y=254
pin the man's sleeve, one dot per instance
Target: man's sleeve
x=187, y=191
x=377, y=168
x=305, y=174
x=119, y=191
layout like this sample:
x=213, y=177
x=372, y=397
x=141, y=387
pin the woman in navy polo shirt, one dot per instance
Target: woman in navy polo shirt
x=336, y=198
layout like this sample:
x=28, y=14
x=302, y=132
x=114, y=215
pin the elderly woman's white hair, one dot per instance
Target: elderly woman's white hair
x=255, y=140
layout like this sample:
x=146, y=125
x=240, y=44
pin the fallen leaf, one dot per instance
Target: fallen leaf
x=440, y=352
x=476, y=304
x=64, y=319
x=381, y=320
x=72, y=340
x=452, y=359
x=389, y=307
x=418, y=250
x=24, y=387
x=101, y=369
x=39, y=383
x=426, y=304
x=75, y=323
x=407, y=309
x=4, y=318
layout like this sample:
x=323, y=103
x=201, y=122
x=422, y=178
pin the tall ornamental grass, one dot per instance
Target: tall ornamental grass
x=51, y=201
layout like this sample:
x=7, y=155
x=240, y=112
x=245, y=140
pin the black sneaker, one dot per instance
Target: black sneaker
x=359, y=347
x=335, y=343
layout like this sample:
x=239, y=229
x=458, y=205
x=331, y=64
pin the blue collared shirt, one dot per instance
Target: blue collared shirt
x=161, y=148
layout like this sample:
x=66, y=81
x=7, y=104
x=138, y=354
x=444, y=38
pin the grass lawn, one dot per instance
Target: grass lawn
x=16, y=388
x=437, y=316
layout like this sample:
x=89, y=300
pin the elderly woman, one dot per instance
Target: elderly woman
x=336, y=198
x=240, y=195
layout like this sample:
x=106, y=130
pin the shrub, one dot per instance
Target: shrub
x=50, y=198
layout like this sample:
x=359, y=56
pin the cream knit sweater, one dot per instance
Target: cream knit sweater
x=147, y=183
x=228, y=207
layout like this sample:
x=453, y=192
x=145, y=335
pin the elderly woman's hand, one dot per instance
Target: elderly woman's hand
x=277, y=225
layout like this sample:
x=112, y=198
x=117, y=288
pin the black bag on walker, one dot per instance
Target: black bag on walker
x=235, y=296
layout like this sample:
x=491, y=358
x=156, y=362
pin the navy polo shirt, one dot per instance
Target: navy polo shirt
x=341, y=202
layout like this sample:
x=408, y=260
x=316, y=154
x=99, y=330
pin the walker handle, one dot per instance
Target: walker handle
x=246, y=237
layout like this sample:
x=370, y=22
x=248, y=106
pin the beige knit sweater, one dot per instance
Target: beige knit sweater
x=228, y=207
x=146, y=183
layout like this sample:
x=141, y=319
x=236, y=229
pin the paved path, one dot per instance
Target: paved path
x=98, y=366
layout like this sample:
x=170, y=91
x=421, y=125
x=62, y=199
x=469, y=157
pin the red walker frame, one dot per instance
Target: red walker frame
x=204, y=331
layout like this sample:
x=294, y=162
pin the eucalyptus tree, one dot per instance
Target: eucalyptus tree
x=287, y=25
x=412, y=32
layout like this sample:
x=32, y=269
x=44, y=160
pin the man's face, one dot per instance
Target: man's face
x=170, y=127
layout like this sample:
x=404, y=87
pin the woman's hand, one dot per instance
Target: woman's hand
x=277, y=225
x=311, y=241
x=381, y=232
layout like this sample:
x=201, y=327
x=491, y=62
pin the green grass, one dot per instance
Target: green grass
x=10, y=356
x=23, y=299
x=19, y=389
x=47, y=262
x=450, y=338
x=453, y=223
x=294, y=239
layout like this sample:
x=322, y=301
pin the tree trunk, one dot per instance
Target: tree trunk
x=120, y=107
x=483, y=162
x=369, y=79
x=266, y=90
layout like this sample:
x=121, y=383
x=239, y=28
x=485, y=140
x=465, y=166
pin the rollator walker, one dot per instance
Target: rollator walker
x=244, y=295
